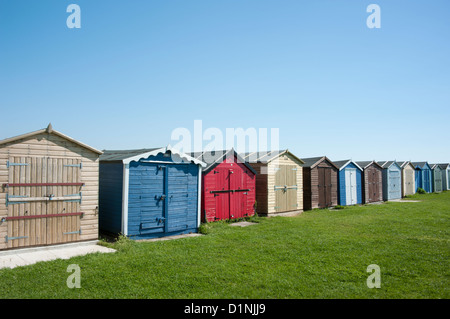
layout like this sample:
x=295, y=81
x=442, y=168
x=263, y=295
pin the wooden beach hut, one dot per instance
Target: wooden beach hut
x=445, y=176
x=320, y=183
x=149, y=193
x=423, y=176
x=49, y=191
x=349, y=182
x=228, y=186
x=372, y=181
x=392, y=180
x=408, y=178
x=436, y=173
x=279, y=182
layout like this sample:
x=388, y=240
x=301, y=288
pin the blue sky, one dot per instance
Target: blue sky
x=136, y=70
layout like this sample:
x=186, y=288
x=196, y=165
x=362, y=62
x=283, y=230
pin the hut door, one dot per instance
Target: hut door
x=409, y=185
x=350, y=186
x=151, y=197
x=438, y=180
x=371, y=184
x=426, y=180
x=394, y=184
x=43, y=197
x=238, y=195
x=324, y=186
x=286, y=188
x=177, y=216
x=222, y=193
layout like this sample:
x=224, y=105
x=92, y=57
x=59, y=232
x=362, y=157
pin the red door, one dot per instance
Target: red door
x=222, y=193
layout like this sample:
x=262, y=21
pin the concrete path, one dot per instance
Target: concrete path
x=29, y=256
x=242, y=224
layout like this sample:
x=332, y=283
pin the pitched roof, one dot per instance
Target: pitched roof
x=341, y=164
x=387, y=164
x=214, y=158
x=266, y=156
x=420, y=164
x=403, y=164
x=127, y=156
x=314, y=161
x=49, y=129
x=444, y=165
x=365, y=164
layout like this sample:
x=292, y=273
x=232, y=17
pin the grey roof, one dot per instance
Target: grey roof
x=313, y=161
x=386, y=164
x=310, y=161
x=444, y=165
x=364, y=164
x=420, y=164
x=261, y=157
x=119, y=155
x=342, y=163
x=127, y=156
x=402, y=164
x=215, y=157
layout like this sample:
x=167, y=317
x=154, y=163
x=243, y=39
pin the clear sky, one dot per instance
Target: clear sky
x=136, y=70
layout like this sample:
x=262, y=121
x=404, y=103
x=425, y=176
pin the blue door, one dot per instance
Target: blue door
x=418, y=179
x=427, y=180
x=394, y=184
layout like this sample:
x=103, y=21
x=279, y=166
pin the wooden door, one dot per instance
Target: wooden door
x=222, y=193
x=373, y=185
x=324, y=187
x=409, y=182
x=350, y=186
x=149, y=194
x=286, y=188
x=394, y=184
x=438, y=180
x=238, y=194
x=43, y=198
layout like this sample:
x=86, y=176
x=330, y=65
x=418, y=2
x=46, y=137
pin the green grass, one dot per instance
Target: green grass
x=318, y=254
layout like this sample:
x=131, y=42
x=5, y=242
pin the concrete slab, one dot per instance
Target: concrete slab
x=29, y=256
x=405, y=200
x=171, y=237
x=242, y=224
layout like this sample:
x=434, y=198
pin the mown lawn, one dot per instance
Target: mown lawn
x=318, y=254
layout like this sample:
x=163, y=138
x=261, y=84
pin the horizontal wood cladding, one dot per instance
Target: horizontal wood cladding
x=311, y=186
x=47, y=159
x=266, y=196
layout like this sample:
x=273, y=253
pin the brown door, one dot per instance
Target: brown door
x=324, y=186
x=43, y=197
x=374, y=186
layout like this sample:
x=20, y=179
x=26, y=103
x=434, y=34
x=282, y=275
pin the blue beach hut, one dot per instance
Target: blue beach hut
x=149, y=193
x=349, y=182
x=392, y=180
x=423, y=176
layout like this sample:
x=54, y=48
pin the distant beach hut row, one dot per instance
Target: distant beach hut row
x=56, y=189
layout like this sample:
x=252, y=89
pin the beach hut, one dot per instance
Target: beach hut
x=436, y=173
x=349, y=182
x=392, y=180
x=279, y=182
x=445, y=176
x=148, y=193
x=49, y=191
x=228, y=186
x=423, y=176
x=408, y=178
x=320, y=183
x=372, y=181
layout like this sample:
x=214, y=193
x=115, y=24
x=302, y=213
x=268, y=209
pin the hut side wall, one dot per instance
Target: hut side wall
x=261, y=187
x=110, y=196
